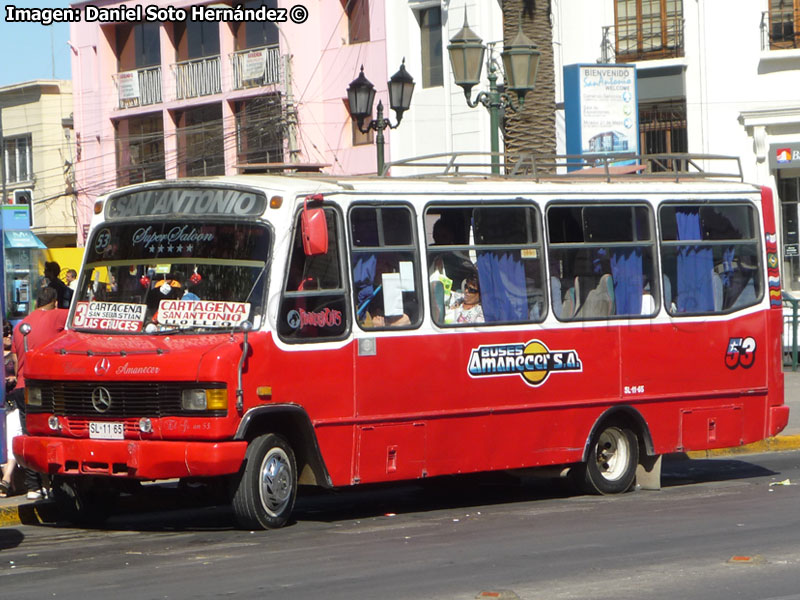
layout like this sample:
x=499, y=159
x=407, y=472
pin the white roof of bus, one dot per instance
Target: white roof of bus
x=300, y=185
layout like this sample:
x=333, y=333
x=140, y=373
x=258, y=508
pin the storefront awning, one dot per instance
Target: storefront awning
x=22, y=239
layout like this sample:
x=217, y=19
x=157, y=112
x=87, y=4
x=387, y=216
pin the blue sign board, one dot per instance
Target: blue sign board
x=601, y=109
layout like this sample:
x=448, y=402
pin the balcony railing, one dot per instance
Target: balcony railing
x=780, y=33
x=256, y=67
x=139, y=88
x=637, y=44
x=200, y=77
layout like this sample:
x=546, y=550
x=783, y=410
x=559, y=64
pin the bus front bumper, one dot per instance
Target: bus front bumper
x=137, y=459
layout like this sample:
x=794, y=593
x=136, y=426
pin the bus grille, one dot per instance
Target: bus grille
x=127, y=399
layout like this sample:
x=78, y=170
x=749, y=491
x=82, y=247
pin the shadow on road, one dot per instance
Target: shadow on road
x=680, y=470
x=10, y=538
x=174, y=508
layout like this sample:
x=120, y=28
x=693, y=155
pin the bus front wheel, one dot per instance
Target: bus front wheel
x=267, y=487
x=611, y=465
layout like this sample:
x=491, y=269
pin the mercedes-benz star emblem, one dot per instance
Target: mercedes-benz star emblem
x=101, y=399
x=102, y=366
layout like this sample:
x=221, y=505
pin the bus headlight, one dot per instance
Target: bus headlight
x=204, y=399
x=33, y=396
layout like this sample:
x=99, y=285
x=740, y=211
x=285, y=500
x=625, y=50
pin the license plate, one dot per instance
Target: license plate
x=106, y=430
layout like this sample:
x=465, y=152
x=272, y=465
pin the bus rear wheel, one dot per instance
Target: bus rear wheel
x=265, y=493
x=611, y=465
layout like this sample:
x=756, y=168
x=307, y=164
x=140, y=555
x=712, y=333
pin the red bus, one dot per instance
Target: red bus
x=270, y=331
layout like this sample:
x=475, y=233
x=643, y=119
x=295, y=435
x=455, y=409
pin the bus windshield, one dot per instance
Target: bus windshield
x=173, y=276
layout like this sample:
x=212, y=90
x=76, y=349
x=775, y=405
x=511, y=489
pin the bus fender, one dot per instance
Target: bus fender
x=293, y=423
x=648, y=471
x=628, y=416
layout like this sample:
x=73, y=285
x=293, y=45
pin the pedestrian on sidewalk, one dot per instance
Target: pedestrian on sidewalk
x=72, y=279
x=46, y=322
x=11, y=413
x=52, y=271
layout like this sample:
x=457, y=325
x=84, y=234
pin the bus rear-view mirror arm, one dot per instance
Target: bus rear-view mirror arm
x=245, y=327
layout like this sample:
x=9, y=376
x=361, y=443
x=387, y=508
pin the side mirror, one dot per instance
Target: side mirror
x=314, y=228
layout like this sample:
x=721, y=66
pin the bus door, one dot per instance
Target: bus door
x=315, y=319
x=391, y=384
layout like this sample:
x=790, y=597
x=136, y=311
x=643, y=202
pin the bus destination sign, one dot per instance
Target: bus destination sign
x=186, y=201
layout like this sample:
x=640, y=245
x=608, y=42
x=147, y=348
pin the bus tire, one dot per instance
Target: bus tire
x=265, y=492
x=611, y=465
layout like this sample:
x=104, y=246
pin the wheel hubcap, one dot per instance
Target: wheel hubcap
x=613, y=454
x=276, y=481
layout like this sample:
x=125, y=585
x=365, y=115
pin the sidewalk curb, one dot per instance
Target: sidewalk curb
x=29, y=513
x=774, y=444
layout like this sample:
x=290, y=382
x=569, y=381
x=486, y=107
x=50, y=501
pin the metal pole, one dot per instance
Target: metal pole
x=380, y=124
x=2, y=158
x=291, y=112
x=494, y=117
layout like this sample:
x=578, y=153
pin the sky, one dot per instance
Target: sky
x=33, y=51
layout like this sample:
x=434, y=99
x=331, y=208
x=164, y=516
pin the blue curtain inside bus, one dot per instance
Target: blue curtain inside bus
x=695, y=266
x=626, y=269
x=502, y=283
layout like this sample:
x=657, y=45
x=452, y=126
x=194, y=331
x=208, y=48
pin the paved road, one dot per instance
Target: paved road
x=454, y=538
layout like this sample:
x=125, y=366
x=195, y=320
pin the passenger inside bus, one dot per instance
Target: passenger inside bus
x=385, y=290
x=455, y=264
x=467, y=308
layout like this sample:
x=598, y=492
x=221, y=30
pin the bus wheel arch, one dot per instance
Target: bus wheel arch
x=293, y=424
x=616, y=445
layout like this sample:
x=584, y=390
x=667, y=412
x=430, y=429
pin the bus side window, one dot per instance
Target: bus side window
x=601, y=261
x=384, y=259
x=495, y=250
x=710, y=256
x=314, y=306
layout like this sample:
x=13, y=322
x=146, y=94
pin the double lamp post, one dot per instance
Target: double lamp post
x=467, y=52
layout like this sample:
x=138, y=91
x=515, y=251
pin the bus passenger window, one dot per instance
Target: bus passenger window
x=495, y=250
x=314, y=304
x=710, y=257
x=601, y=261
x=383, y=261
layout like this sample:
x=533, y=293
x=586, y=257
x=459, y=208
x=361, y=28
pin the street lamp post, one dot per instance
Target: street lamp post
x=361, y=95
x=520, y=62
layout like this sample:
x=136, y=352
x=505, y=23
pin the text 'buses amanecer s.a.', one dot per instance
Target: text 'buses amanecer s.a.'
x=271, y=331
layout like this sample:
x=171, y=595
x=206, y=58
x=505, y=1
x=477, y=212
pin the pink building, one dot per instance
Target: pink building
x=176, y=93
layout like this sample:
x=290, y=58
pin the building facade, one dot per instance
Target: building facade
x=38, y=156
x=713, y=76
x=440, y=119
x=182, y=97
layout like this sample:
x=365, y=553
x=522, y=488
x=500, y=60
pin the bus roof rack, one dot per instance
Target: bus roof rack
x=609, y=167
x=281, y=167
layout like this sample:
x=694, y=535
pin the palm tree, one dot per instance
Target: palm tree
x=533, y=129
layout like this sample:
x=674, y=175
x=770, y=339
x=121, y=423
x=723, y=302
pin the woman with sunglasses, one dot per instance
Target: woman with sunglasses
x=469, y=310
